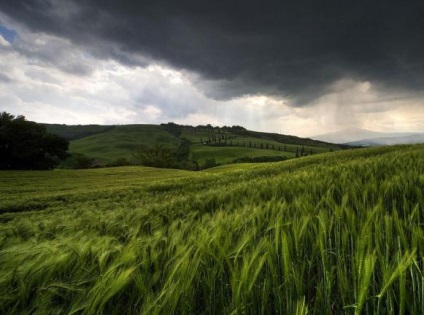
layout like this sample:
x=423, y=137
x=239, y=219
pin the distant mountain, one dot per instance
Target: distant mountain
x=364, y=137
x=408, y=139
x=349, y=135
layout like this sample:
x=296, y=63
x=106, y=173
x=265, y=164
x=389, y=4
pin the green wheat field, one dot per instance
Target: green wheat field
x=334, y=233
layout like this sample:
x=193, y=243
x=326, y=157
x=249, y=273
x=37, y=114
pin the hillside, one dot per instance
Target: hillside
x=73, y=132
x=122, y=141
x=224, y=145
x=337, y=233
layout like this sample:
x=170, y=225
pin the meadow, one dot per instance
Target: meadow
x=335, y=233
x=122, y=142
x=107, y=144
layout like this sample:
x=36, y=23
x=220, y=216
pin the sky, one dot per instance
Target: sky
x=293, y=67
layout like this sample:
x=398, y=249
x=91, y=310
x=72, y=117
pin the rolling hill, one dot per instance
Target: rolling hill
x=224, y=145
x=73, y=132
x=122, y=141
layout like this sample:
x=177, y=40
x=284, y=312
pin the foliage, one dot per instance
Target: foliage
x=156, y=156
x=27, y=145
x=172, y=128
x=338, y=233
x=183, y=151
x=119, y=162
x=80, y=161
x=209, y=163
x=165, y=157
x=188, y=165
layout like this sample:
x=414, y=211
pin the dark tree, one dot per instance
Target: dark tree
x=81, y=161
x=173, y=128
x=211, y=162
x=183, y=150
x=165, y=157
x=157, y=156
x=26, y=145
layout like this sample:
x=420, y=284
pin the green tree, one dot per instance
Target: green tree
x=157, y=156
x=173, y=128
x=80, y=161
x=211, y=162
x=183, y=151
x=27, y=145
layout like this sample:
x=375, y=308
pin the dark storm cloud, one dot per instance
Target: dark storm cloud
x=286, y=48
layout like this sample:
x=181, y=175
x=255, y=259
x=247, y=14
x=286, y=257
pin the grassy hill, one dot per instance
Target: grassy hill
x=226, y=155
x=110, y=143
x=338, y=233
x=122, y=141
x=73, y=132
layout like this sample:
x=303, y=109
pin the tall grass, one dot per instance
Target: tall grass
x=334, y=234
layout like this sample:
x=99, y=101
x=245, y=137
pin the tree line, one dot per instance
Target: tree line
x=176, y=129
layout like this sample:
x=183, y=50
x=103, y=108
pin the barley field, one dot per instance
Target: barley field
x=339, y=233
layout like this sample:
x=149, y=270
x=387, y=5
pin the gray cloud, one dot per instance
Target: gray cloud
x=4, y=78
x=294, y=49
x=53, y=51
